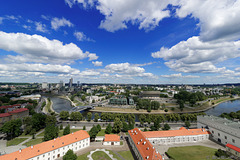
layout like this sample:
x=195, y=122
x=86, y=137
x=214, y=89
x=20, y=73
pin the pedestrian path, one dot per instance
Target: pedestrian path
x=102, y=150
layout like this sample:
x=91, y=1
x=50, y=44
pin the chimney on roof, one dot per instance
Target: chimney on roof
x=32, y=146
x=153, y=147
x=147, y=157
x=72, y=132
x=20, y=150
x=144, y=142
x=147, y=148
x=140, y=140
x=54, y=139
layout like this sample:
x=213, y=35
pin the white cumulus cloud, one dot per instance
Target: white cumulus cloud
x=35, y=48
x=82, y=37
x=97, y=63
x=56, y=23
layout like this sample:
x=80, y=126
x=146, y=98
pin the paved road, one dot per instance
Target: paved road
x=137, y=124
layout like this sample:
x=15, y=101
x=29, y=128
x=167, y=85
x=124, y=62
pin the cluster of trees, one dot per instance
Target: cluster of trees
x=173, y=117
x=147, y=104
x=74, y=116
x=184, y=96
x=12, y=128
x=94, y=131
x=231, y=115
x=70, y=155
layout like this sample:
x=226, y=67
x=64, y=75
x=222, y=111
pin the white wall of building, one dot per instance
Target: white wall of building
x=60, y=152
x=178, y=139
x=110, y=143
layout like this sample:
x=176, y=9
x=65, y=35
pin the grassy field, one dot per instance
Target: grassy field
x=99, y=155
x=15, y=141
x=33, y=142
x=126, y=155
x=101, y=133
x=191, y=152
x=60, y=132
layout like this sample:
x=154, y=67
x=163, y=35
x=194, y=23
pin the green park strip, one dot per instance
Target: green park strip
x=33, y=142
x=126, y=155
x=99, y=155
x=101, y=133
x=60, y=134
x=15, y=141
x=191, y=152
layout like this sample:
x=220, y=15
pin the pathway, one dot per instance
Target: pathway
x=102, y=150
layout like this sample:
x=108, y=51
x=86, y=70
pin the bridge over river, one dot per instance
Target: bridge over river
x=81, y=108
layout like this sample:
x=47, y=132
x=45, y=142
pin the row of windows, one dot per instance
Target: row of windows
x=233, y=140
x=63, y=152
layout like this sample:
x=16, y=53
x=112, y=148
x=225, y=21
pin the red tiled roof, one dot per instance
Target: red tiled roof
x=5, y=107
x=144, y=147
x=18, y=110
x=111, y=138
x=45, y=147
x=4, y=115
x=233, y=147
x=174, y=133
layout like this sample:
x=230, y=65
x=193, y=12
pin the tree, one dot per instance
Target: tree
x=93, y=132
x=96, y=117
x=187, y=124
x=89, y=116
x=76, y=116
x=93, y=101
x=108, y=129
x=50, y=120
x=84, y=127
x=117, y=126
x=149, y=109
x=166, y=127
x=83, y=97
x=99, y=128
x=70, y=155
x=142, y=118
x=125, y=127
x=50, y=132
x=12, y=128
x=66, y=130
x=38, y=121
x=64, y=115
x=61, y=127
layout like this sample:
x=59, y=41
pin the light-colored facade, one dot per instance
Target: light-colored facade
x=111, y=139
x=53, y=149
x=182, y=135
x=222, y=130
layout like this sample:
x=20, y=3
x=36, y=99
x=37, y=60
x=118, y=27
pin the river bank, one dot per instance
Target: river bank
x=206, y=106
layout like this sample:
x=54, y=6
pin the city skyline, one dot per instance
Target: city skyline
x=137, y=42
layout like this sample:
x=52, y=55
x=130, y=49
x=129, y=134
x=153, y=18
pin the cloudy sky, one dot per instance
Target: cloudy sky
x=120, y=41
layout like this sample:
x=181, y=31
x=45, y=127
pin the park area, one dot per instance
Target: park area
x=100, y=155
x=192, y=152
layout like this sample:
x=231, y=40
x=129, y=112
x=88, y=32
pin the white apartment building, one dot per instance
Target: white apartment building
x=53, y=149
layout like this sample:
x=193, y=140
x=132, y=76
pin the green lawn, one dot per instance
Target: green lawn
x=126, y=155
x=60, y=132
x=15, y=141
x=33, y=142
x=101, y=133
x=99, y=155
x=191, y=152
x=83, y=156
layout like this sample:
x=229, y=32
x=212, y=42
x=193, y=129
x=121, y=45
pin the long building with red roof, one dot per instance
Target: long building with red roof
x=53, y=149
x=142, y=148
x=177, y=136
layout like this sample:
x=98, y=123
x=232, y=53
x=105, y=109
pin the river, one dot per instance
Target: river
x=60, y=104
x=225, y=107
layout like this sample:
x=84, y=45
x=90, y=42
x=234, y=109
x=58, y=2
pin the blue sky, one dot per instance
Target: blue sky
x=120, y=41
